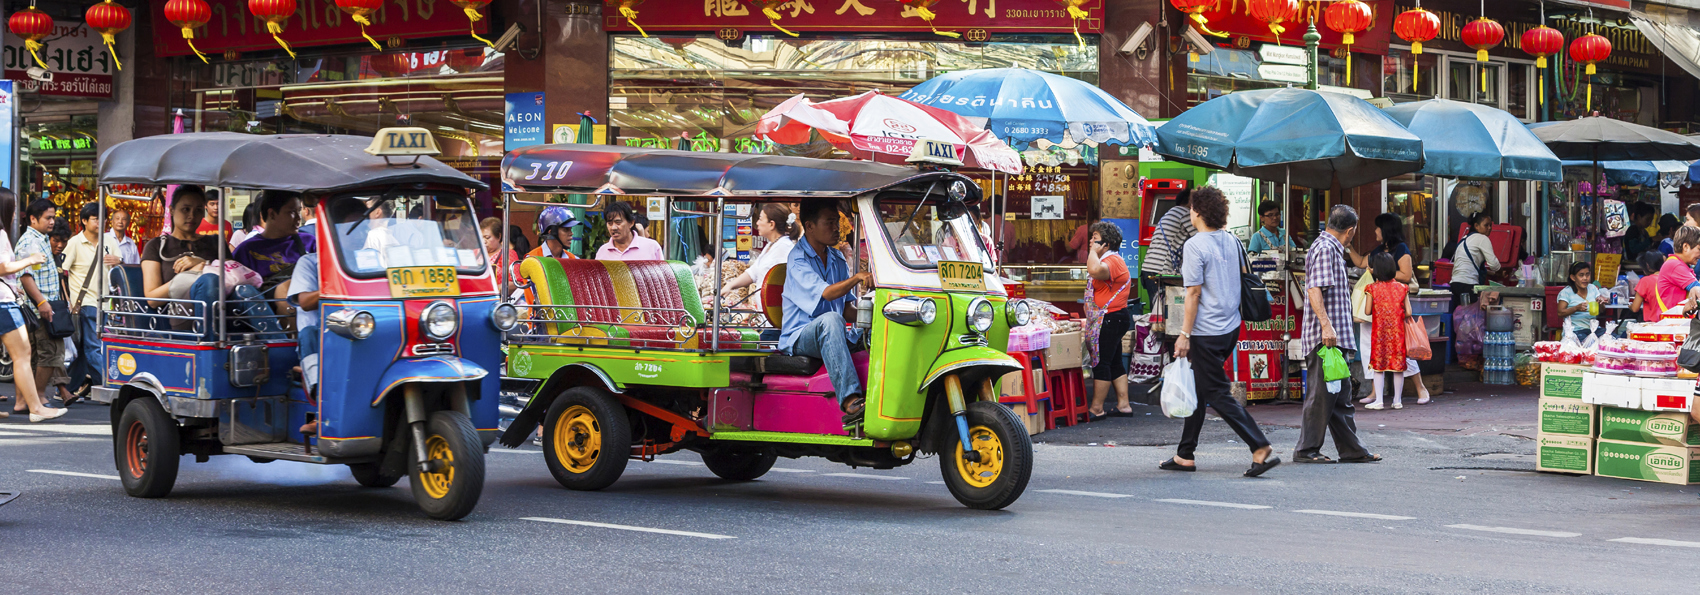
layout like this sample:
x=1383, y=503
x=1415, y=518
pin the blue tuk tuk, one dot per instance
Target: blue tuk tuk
x=410, y=322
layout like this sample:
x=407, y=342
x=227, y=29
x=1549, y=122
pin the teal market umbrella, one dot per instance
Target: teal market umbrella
x=1468, y=140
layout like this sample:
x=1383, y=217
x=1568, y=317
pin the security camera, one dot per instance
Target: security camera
x=38, y=73
x=1136, y=40
x=1200, y=45
x=505, y=43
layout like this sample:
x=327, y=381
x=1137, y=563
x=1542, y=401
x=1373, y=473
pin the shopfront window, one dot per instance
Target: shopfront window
x=1226, y=70
x=1465, y=83
x=58, y=156
x=1409, y=77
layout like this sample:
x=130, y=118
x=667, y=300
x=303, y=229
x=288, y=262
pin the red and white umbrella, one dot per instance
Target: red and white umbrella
x=872, y=123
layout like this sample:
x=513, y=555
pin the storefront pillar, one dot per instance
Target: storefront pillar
x=1138, y=78
x=568, y=63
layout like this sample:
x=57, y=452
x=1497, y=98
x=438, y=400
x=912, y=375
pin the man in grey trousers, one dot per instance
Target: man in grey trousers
x=1328, y=293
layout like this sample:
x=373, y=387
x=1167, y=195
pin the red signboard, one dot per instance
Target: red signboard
x=1260, y=358
x=861, y=16
x=316, y=23
x=1234, y=18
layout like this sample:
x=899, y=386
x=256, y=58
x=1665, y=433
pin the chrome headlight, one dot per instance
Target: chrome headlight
x=912, y=311
x=980, y=315
x=505, y=317
x=353, y=324
x=439, y=321
x=1020, y=313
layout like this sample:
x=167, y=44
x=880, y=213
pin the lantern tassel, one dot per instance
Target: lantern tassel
x=473, y=16
x=363, y=23
x=1348, y=63
x=928, y=16
x=773, y=19
x=189, y=38
x=33, y=46
x=631, y=15
x=1203, y=25
x=277, y=29
x=109, y=41
x=1075, y=14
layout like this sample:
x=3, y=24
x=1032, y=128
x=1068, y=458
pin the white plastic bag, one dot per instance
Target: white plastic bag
x=1180, y=397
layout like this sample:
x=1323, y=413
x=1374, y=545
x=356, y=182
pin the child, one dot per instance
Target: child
x=1579, y=298
x=1647, y=289
x=1389, y=306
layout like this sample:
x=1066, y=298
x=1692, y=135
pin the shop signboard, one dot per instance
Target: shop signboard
x=1240, y=192
x=973, y=18
x=524, y=117
x=74, y=54
x=315, y=23
x=1286, y=73
x=1259, y=361
x=1129, y=250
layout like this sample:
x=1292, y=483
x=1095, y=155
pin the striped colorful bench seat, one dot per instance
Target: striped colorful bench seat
x=623, y=304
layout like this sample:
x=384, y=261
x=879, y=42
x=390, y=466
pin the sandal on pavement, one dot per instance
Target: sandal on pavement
x=1374, y=407
x=5, y=414
x=1398, y=405
x=1423, y=400
x=1315, y=458
x=1091, y=417
x=1369, y=458
x=1366, y=400
x=1169, y=464
x=1260, y=468
x=57, y=413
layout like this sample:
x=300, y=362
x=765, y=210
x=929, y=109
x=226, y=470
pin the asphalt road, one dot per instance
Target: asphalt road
x=1444, y=514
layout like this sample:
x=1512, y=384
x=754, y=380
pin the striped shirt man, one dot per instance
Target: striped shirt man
x=1163, y=257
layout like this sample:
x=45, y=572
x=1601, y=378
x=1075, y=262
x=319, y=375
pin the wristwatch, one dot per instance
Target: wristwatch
x=1186, y=334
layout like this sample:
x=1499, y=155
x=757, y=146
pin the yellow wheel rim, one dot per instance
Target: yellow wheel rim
x=577, y=439
x=984, y=472
x=437, y=484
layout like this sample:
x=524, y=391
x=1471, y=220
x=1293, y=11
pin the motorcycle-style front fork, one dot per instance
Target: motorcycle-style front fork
x=417, y=416
x=959, y=410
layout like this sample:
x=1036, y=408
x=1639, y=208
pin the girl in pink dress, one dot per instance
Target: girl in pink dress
x=1389, y=305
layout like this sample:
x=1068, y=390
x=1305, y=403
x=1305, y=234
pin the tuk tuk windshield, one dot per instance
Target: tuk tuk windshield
x=375, y=233
x=924, y=234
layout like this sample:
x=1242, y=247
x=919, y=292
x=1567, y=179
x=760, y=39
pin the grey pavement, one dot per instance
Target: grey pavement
x=1447, y=512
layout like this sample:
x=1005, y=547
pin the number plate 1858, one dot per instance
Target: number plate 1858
x=413, y=282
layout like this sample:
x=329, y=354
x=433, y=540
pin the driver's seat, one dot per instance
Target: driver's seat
x=773, y=306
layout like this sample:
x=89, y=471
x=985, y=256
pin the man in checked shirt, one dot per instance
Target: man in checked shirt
x=1329, y=323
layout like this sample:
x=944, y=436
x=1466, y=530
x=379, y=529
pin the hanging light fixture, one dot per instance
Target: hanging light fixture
x=1276, y=13
x=109, y=19
x=1416, y=26
x=1348, y=17
x=1483, y=34
x=188, y=15
x=1590, y=49
x=32, y=25
x=276, y=14
x=1541, y=42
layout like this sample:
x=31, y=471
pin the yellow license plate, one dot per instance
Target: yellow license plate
x=961, y=276
x=415, y=282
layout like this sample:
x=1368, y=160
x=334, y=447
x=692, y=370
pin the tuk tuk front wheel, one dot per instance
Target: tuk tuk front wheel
x=1004, y=462
x=587, y=438
x=146, y=449
x=739, y=463
x=370, y=475
x=452, y=492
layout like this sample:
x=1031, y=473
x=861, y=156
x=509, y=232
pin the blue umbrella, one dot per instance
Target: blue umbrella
x=1468, y=140
x=1022, y=106
x=1308, y=138
x=1636, y=173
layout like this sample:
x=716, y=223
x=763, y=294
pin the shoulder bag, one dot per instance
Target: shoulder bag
x=1254, y=296
x=77, y=315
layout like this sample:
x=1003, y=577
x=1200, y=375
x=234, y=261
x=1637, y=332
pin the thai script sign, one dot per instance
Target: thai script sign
x=861, y=16
x=74, y=54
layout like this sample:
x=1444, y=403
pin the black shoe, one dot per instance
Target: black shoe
x=1313, y=458
x=1169, y=464
x=1260, y=468
x=1369, y=458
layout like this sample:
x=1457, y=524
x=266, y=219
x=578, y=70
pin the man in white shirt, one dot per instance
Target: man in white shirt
x=120, y=247
x=1473, y=260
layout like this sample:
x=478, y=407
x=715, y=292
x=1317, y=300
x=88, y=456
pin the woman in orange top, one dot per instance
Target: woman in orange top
x=1107, y=318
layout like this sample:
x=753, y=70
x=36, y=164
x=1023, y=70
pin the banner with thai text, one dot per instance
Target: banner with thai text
x=316, y=23
x=861, y=17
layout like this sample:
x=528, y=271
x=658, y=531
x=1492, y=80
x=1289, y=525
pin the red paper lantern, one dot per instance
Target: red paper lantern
x=1194, y=9
x=1541, y=42
x=1347, y=18
x=1416, y=26
x=1274, y=13
x=31, y=25
x=1483, y=34
x=361, y=12
x=391, y=65
x=466, y=60
x=276, y=14
x=1590, y=49
x=472, y=9
x=109, y=18
x=188, y=15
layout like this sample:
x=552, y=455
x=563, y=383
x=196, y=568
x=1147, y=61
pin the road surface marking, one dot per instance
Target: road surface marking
x=865, y=476
x=1645, y=541
x=517, y=452
x=936, y=482
x=784, y=470
x=1360, y=515
x=1209, y=503
x=1516, y=531
x=686, y=463
x=73, y=474
x=84, y=429
x=1080, y=493
x=627, y=528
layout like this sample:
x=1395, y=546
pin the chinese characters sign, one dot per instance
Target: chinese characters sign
x=316, y=22
x=74, y=54
x=855, y=16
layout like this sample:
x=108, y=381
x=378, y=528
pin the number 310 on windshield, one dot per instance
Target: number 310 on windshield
x=555, y=170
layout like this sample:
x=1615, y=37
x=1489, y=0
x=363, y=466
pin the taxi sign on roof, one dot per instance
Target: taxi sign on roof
x=403, y=142
x=933, y=151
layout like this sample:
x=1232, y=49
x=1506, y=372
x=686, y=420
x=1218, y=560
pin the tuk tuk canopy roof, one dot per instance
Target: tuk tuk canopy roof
x=293, y=162
x=612, y=169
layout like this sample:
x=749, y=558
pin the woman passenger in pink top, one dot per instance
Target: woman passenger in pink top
x=623, y=244
x=1676, y=277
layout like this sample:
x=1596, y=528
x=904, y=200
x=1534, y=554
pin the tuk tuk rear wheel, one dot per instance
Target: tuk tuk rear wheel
x=739, y=463
x=452, y=492
x=370, y=475
x=587, y=438
x=146, y=449
x=1005, y=462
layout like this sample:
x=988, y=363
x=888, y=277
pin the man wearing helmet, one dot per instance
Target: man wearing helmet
x=554, y=233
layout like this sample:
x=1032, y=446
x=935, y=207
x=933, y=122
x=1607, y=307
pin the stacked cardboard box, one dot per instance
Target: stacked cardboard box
x=1035, y=421
x=1066, y=351
x=1566, y=432
x=1661, y=446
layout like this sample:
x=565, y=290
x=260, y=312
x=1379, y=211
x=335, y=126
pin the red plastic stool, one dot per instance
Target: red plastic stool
x=1068, y=398
x=1030, y=397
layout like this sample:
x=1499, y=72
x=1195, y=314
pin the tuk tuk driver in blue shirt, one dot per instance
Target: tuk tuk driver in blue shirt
x=818, y=287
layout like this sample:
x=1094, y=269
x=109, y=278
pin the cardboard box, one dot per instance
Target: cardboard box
x=1564, y=454
x=1067, y=351
x=1670, y=428
x=1646, y=462
x=1667, y=394
x=1568, y=417
x=1561, y=381
x=1010, y=384
x=1035, y=421
x=1174, y=310
x=1610, y=389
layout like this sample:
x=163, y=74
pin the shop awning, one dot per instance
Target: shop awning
x=1678, y=41
x=1636, y=173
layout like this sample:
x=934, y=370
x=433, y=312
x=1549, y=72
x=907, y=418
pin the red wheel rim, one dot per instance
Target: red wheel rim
x=136, y=449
